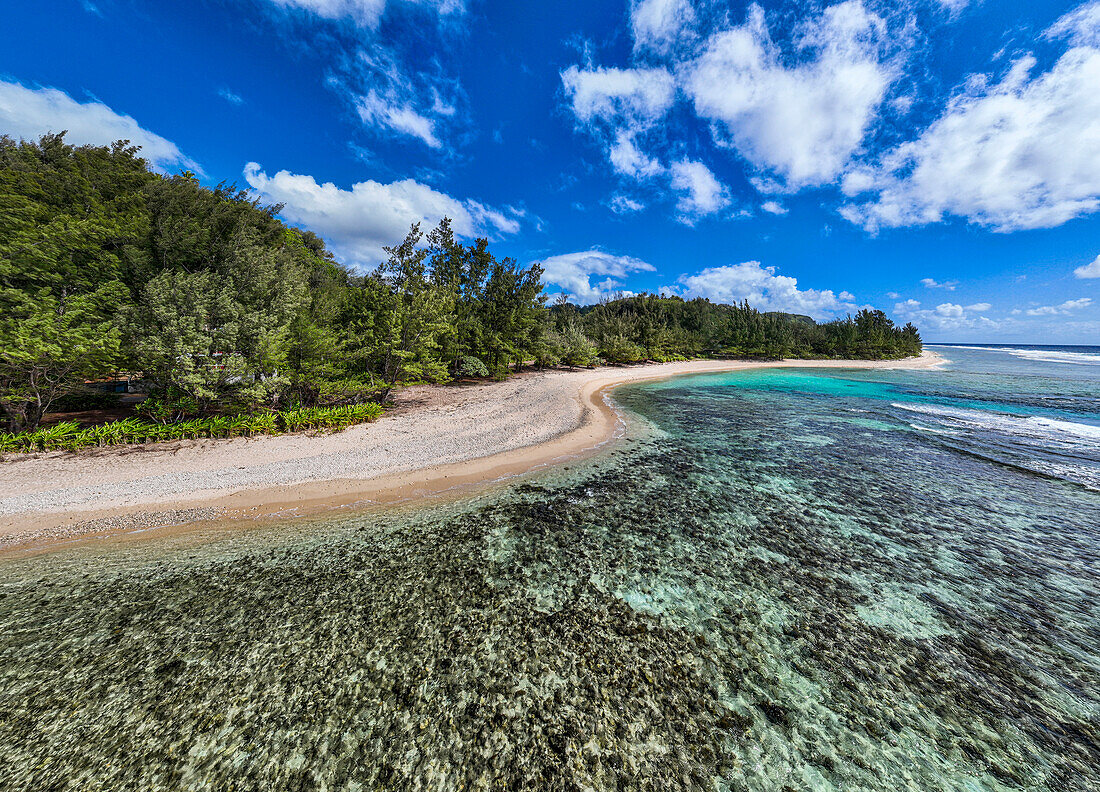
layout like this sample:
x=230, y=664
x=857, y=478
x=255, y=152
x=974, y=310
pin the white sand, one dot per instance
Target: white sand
x=436, y=438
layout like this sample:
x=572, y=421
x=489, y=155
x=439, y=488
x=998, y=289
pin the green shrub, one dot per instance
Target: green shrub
x=470, y=366
x=618, y=349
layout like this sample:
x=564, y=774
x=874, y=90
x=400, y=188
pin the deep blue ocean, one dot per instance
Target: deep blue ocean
x=787, y=580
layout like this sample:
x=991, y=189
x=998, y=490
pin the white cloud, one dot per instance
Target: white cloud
x=486, y=219
x=764, y=290
x=365, y=13
x=31, y=112
x=953, y=6
x=658, y=24
x=630, y=96
x=931, y=283
x=622, y=204
x=626, y=158
x=1067, y=307
x=701, y=194
x=573, y=272
x=945, y=316
x=359, y=222
x=374, y=109
x=230, y=97
x=1081, y=27
x=397, y=85
x=892, y=295
x=802, y=122
x=774, y=207
x=1011, y=154
x=797, y=112
x=1089, y=270
x=397, y=93
x=620, y=106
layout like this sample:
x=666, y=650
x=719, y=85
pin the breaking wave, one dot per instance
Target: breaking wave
x=1044, y=355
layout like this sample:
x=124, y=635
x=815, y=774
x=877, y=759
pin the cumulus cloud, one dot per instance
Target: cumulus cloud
x=774, y=207
x=573, y=272
x=1065, y=308
x=627, y=96
x=932, y=283
x=796, y=111
x=364, y=13
x=945, y=316
x=802, y=122
x=626, y=158
x=765, y=290
x=31, y=112
x=1089, y=270
x=701, y=194
x=619, y=106
x=359, y=221
x=1009, y=154
x=658, y=24
x=1009, y=150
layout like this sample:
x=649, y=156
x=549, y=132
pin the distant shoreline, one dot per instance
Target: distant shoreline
x=440, y=441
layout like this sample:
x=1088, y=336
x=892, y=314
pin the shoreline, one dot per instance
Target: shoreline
x=432, y=446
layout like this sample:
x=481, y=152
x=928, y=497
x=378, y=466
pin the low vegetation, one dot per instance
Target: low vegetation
x=69, y=436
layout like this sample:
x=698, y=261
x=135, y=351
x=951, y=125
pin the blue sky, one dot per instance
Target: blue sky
x=939, y=159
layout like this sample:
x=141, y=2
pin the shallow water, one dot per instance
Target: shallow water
x=800, y=580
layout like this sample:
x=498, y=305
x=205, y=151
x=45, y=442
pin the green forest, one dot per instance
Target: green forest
x=227, y=313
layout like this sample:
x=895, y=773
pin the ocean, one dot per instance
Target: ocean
x=787, y=580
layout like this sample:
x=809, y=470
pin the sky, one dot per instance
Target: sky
x=937, y=159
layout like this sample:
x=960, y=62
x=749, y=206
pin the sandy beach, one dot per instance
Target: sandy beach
x=437, y=439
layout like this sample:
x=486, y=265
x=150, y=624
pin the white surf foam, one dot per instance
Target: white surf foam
x=1043, y=355
x=1033, y=426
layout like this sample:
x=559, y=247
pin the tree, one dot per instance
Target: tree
x=512, y=314
x=184, y=330
x=411, y=316
x=48, y=345
x=576, y=348
x=73, y=223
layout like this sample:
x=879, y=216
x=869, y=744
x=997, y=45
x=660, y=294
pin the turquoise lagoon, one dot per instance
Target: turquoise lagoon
x=794, y=580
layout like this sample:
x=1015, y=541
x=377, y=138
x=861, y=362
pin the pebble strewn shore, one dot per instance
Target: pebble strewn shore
x=537, y=418
x=119, y=523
